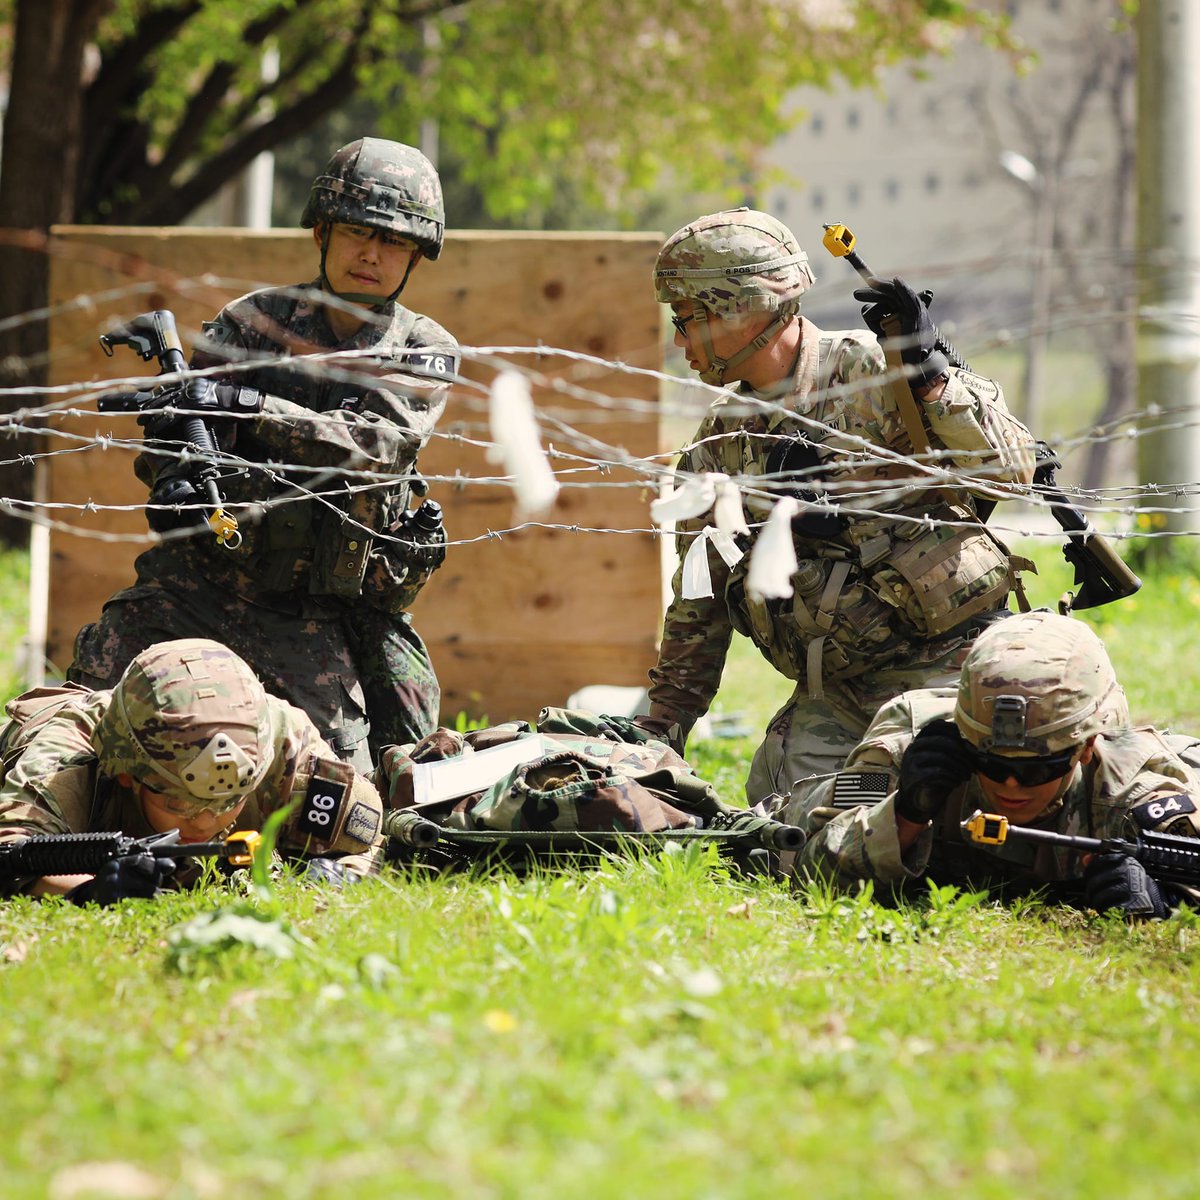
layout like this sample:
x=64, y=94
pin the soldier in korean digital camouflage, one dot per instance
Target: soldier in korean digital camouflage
x=1036, y=732
x=187, y=740
x=894, y=576
x=316, y=596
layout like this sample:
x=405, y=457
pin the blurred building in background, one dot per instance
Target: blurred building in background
x=1009, y=194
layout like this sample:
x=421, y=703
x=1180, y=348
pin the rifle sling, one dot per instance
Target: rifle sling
x=910, y=414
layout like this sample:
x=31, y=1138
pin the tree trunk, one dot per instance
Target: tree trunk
x=37, y=189
x=1119, y=378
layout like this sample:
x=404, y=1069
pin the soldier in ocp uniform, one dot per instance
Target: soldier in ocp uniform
x=1037, y=731
x=316, y=597
x=188, y=740
x=895, y=572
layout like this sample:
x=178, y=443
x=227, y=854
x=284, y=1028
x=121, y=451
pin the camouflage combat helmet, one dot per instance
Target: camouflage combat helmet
x=383, y=185
x=736, y=261
x=1037, y=684
x=188, y=719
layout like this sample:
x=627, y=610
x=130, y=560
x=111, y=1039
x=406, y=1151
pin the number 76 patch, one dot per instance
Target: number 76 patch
x=322, y=809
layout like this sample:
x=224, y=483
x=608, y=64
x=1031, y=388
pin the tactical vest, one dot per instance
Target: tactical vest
x=882, y=591
x=327, y=542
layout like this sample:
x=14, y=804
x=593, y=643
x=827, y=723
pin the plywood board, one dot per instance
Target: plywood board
x=515, y=619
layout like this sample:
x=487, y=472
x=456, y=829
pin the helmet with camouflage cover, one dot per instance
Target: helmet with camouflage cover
x=188, y=719
x=729, y=263
x=383, y=185
x=736, y=261
x=1037, y=684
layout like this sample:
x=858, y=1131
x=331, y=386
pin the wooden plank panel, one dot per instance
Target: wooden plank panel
x=503, y=614
x=536, y=675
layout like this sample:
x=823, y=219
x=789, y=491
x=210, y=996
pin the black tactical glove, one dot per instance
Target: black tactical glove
x=936, y=762
x=176, y=489
x=918, y=337
x=134, y=876
x=329, y=872
x=1118, y=881
x=201, y=397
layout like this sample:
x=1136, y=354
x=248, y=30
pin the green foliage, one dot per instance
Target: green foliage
x=598, y=98
x=464, y=723
x=1153, y=639
x=260, y=867
x=532, y=94
x=210, y=936
x=14, y=610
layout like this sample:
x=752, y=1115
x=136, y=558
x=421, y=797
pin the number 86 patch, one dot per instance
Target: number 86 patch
x=322, y=809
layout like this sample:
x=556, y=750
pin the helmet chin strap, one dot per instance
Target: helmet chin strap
x=714, y=373
x=361, y=297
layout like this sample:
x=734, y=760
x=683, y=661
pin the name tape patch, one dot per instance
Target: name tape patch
x=362, y=823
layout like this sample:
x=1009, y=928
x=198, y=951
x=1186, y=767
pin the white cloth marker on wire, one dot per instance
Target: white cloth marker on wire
x=696, y=583
x=773, y=559
x=692, y=499
x=518, y=445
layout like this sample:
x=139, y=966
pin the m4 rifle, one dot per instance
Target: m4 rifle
x=1166, y=857
x=153, y=336
x=1101, y=575
x=89, y=853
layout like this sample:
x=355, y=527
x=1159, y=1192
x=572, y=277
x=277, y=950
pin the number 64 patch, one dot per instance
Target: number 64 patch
x=1154, y=812
x=322, y=808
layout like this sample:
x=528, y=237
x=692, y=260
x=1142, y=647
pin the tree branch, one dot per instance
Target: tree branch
x=125, y=62
x=176, y=203
x=211, y=97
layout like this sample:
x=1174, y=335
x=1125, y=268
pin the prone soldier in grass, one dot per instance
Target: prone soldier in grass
x=896, y=576
x=1038, y=733
x=323, y=394
x=188, y=740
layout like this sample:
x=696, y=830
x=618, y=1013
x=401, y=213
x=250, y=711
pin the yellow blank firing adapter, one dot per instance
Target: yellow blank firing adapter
x=988, y=829
x=249, y=839
x=226, y=529
x=838, y=240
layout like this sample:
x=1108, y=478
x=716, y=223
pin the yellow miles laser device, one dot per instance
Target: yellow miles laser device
x=986, y=829
x=249, y=840
x=838, y=240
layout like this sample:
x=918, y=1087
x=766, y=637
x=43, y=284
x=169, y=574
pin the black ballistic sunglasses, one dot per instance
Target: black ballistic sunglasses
x=681, y=323
x=1028, y=772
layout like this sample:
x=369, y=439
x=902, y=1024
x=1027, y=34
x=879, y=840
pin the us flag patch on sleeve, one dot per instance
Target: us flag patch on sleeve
x=852, y=788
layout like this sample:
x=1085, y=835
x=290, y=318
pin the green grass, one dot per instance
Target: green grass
x=14, y=617
x=653, y=1027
